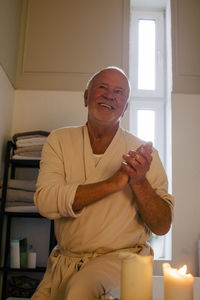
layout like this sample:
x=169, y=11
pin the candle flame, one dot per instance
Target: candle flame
x=183, y=270
x=176, y=272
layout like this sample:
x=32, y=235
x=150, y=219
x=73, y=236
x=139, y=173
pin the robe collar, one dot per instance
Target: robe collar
x=90, y=168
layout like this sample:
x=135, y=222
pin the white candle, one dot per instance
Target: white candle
x=136, y=277
x=177, y=284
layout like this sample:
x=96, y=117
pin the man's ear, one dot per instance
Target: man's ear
x=85, y=98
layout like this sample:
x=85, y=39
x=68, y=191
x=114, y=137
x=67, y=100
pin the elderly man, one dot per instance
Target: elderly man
x=106, y=191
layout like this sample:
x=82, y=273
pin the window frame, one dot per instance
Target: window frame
x=158, y=16
x=159, y=108
x=147, y=99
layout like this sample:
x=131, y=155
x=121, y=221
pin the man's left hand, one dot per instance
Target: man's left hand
x=137, y=163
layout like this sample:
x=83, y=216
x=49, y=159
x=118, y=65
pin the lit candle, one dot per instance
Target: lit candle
x=136, y=277
x=177, y=284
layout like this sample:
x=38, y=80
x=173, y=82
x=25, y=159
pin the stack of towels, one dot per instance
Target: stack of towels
x=19, y=196
x=20, y=192
x=29, y=144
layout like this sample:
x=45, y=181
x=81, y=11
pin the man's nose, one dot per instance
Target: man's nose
x=109, y=95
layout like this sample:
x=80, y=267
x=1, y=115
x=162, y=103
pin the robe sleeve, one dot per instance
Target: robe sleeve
x=158, y=179
x=54, y=197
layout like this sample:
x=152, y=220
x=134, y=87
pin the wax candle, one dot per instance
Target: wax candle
x=177, y=284
x=136, y=277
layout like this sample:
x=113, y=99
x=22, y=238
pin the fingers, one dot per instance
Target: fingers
x=148, y=147
x=130, y=171
x=133, y=160
x=140, y=156
x=143, y=152
x=137, y=163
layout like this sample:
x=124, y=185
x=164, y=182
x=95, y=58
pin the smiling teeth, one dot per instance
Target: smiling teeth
x=108, y=106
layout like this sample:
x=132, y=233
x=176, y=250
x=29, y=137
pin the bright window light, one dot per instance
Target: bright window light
x=146, y=125
x=146, y=55
x=148, y=76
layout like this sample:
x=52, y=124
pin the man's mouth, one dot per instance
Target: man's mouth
x=106, y=105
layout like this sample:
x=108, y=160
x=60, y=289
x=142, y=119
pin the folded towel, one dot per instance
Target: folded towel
x=25, y=185
x=19, y=196
x=29, y=154
x=26, y=157
x=31, y=141
x=28, y=134
x=25, y=209
x=34, y=148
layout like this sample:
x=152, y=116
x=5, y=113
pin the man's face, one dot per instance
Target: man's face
x=106, y=97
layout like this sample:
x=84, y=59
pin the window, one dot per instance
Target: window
x=146, y=54
x=147, y=61
x=147, y=121
x=147, y=71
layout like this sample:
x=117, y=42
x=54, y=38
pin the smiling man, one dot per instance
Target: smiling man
x=106, y=191
x=106, y=97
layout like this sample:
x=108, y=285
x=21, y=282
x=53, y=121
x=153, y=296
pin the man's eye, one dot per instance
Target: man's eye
x=102, y=87
x=118, y=91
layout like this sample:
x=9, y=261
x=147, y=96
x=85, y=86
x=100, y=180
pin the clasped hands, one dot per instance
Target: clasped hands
x=137, y=163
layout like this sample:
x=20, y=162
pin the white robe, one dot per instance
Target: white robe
x=107, y=226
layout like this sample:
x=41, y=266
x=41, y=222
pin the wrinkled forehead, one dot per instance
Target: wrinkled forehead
x=110, y=76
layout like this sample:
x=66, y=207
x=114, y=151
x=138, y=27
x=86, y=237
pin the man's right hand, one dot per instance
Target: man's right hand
x=119, y=179
x=89, y=193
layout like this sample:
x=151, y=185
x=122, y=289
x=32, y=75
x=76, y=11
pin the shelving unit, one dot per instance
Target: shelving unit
x=6, y=218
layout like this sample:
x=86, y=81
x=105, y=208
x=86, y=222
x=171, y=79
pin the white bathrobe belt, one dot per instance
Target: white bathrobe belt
x=73, y=261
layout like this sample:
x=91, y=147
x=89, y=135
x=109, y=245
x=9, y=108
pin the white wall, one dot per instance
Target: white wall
x=47, y=110
x=6, y=109
x=186, y=178
x=10, y=19
x=62, y=46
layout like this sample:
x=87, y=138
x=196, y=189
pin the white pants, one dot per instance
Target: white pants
x=93, y=280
